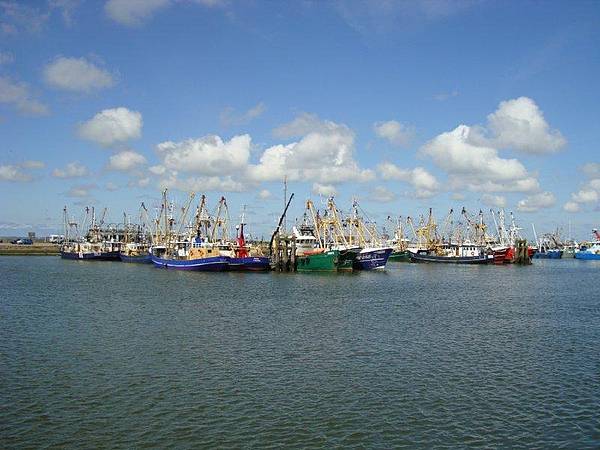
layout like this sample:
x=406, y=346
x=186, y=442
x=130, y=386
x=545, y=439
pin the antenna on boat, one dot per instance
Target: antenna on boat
x=285, y=202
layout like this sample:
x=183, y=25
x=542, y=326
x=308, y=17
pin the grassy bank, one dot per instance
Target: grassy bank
x=37, y=249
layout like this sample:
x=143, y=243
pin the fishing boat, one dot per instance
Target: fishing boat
x=331, y=251
x=399, y=243
x=136, y=245
x=453, y=245
x=362, y=235
x=504, y=247
x=453, y=254
x=548, y=246
x=591, y=250
x=181, y=250
x=97, y=245
x=244, y=257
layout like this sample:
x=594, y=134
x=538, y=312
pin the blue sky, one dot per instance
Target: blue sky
x=407, y=106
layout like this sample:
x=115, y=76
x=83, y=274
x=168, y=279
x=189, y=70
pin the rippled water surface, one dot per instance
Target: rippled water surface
x=105, y=355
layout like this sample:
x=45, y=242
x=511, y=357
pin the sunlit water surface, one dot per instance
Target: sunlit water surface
x=105, y=355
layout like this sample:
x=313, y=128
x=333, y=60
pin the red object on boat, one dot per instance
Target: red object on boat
x=241, y=251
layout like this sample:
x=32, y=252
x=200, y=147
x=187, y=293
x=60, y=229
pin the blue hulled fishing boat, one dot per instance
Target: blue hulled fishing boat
x=372, y=258
x=591, y=250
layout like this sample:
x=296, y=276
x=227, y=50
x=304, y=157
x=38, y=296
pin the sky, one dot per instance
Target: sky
x=401, y=105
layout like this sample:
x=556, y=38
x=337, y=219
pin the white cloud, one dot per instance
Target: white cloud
x=13, y=173
x=133, y=12
x=157, y=170
x=17, y=93
x=126, y=160
x=80, y=191
x=396, y=133
x=325, y=154
x=585, y=196
x=591, y=169
x=202, y=183
x=594, y=184
x=519, y=124
x=497, y=201
x=443, y=96
x=475, y=166
x=72, y=170
x=535, y=202
x=110, y=186
x=76, y=74
x=6, y=58
x=326, y=190
x=264, y=194
x=425, y=184
x=112, y=126
x=382, y=194
x=32, y=164
x=209, y=155
x=230, y=118
x=571, y=207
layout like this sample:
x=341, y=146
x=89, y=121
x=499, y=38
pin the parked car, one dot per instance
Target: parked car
x=24, y=241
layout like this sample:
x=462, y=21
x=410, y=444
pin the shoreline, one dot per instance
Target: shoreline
x=37, y=249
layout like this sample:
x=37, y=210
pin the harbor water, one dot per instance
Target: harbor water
x=112, y=355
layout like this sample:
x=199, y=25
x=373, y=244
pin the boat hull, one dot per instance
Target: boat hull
x=401, y=256
x=249, y=264
x=91, y=256
x=553, y=254
x=587, y=255
x=213, y=264
x=425, y=258
x=329, y=261
x=140, y=259
x=370, y=259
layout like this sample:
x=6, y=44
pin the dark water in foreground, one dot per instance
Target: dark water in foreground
x=116, y=355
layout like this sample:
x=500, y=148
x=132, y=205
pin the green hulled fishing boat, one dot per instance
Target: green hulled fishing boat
x=325, y=261
x=400, y=255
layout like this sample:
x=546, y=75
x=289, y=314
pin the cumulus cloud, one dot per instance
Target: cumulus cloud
x=80, y=191
x=324, y=154
x=13, y=173
x=32, y=164
x=133, y=12
x=71, y=170
x=571, y=207
x=264, y=194
x=136, y=12
x=326, y=190
x=126, y=161
x=201, y=183
x=519, y=124
x=230, y=118
x=590, y=190
x=536, y=202
x=475, y=166
x=497, y=201
x=424, y=183
x=585, y=196
x=112, y=126
x=394, y=132
x=77, y=75
x=110, y=186
x=18, y=94
x=209, y=155
x=382, y=194
x=592, y=170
